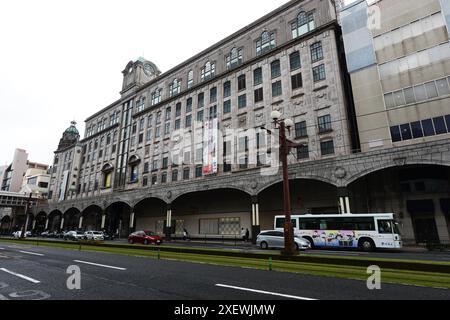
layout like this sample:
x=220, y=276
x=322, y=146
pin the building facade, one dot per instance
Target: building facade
x=398, y=57
x=153, y=159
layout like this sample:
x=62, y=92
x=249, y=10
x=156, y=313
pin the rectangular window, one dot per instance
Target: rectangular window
x=325, y=124
x=431, y=89
x=227, y=106
x=154, y=180
x=167, y=128
x=303, y=152
x=428, y=129
x=242, y=101
x=189, y=105
x=175, y=176
x=186, y=174
x=241, y=82
x=416, y=128
x=296, y=81
x=447, y=120
x=199, y=171
x=188, y=121
x=294, y=61
x=164, y=178
x=439, y=125
x=300, y=130
x=178, y=110
x=200, y=116
x=201, y=100
x=165, y=163
x=213, y=95
x=420, y=93
x=389, y=100
x=277, y=89
x=227, y=89
x=405, y=130
x=319, y=73
x=257, y=76
x=443, y=87
x=259, y=95
x=213, y=113
x=395, y=134
x=316, y=52
x=399, y=98
x=168, y=113
x=327, y=147
x=409, y=95
x=275, y=69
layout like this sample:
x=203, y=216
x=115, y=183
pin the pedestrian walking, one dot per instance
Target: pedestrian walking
x=247, y=235
x=185, y=234
x=243, y=234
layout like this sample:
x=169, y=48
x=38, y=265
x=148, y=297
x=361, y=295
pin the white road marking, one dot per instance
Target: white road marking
x=265, y=292
x=20, y=276
x=2, y=248
x=32, y=253
x=100, y=265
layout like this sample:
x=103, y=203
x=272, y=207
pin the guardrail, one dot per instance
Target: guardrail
x=394, y=264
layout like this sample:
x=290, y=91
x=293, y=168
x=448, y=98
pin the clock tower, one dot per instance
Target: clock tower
x=138, y=73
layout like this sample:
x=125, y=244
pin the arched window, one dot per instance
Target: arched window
x=265, y=43
x=140, y=104
x=303, y=24
x=190, y=82
x=234, y=59
x=156, y=96
x=134, y=168
x=175, y=87
x=107, y=171
x=208, y=71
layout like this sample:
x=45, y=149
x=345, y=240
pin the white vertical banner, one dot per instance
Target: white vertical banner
x=210, y=150
x=62, y=191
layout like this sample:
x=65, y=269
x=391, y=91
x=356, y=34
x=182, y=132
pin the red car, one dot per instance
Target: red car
x=145, y=237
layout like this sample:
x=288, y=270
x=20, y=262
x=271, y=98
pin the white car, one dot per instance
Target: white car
x=18, y=234
x=94, y=235
x=275, y=239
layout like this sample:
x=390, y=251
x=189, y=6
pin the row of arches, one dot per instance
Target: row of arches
x=403, y=190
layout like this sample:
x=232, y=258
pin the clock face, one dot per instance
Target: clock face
x=148, y=69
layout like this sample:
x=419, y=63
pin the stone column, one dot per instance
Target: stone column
x=103, y=220
x=47, y=220
x=132, y=220
x=80, y=224
x=62, y=224
x=168, y=227
x=256, y=227
x=344, y=200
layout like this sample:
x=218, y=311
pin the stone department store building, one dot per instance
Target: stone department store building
x=130, y=171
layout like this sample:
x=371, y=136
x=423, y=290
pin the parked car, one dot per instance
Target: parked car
x=275, y=239
x=18, y=234
x=45, y=234
x=94, y=235
x=74, y=235
x=145, y=237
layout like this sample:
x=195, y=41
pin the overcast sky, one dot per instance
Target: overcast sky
x=62, y=60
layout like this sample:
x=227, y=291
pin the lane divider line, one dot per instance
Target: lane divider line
x=20, y=276
x=100, y=265
x=265, y=292
x=32, y=253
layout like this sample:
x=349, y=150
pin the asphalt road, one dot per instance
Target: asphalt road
x=29, y=272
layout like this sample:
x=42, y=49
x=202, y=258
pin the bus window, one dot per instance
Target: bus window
x=280, y=223
x=309, y=224
x=385, y=227
x=323, y=224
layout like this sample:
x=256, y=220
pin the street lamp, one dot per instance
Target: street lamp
x=285, y=147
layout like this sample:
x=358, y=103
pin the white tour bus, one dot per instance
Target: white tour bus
x=364, y=231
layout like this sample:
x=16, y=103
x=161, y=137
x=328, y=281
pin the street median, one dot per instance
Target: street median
x=392, y=264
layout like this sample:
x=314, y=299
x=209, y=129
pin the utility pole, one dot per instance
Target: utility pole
x=24, y=228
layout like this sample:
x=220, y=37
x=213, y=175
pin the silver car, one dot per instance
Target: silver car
x=275, y=239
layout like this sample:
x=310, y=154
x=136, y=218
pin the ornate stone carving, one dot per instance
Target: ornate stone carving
x=340, y=173
x=399, y=162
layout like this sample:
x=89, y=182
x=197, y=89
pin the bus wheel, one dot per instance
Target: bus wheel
x=366, y=245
